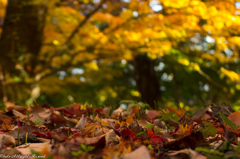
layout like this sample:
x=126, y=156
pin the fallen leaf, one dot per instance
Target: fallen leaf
x=188, y=141
x=117, y=112
x=17, y=108
x=188, y=153
x=6, y=140
x=127, y=134
x=33, y=146
x=153, y=114
x=6, y=127
x=140, y=153
x=73, y=109
x=39, y=114
x=94, y=141
x=129, y=120
x=135, y=110
x=106, y=111
x=180, y=112
x=19, y=114
x=183, y=130
x=82, y=122
x=90, y=129
x=24, y=130
x=155, y=139
x=110, y=137
x=235, y=117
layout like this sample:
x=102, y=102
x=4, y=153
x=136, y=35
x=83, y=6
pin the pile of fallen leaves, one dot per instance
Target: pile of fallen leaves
x=78, y=131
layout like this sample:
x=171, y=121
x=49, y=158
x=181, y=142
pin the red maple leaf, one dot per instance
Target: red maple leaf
x=156, y=139
x=127, y=134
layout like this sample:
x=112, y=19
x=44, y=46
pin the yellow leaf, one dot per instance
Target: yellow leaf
x=176, y=3
x=135, y=93
x=184, y=62
x=55, y=42
x=195, y=66
x=92, y=65
x=231, y=74
x=129, y=119
x=183, y=130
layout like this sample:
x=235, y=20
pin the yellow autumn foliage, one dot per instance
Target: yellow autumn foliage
x=231, y=74
x=184, y=61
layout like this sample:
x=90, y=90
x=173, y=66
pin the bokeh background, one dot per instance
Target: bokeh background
x=161, y=52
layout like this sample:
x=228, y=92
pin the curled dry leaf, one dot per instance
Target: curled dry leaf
x=39, y=114
x=90, y=129
x=117, y=112
x=23, y=130
x=61, y=151
x=142, y=123
x=19, y=114
x=186, y=153
x=110, y=137
x=11, y=152
x=105, y=122
x=106, y=111
x=101, y=131
x=82, y=122
x=58, y=137
x=140, y=153
x=70, y=122
x=159, y=123
x=87, y=140
x=33, y=146
x=18, y=108
x=6, y=140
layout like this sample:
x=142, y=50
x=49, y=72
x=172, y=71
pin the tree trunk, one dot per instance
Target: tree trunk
x=21, y=39
x=147, y=82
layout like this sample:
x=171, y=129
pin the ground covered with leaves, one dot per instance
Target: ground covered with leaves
x=78, y=131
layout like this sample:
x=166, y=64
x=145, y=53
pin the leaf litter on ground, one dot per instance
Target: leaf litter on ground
x=80, y=131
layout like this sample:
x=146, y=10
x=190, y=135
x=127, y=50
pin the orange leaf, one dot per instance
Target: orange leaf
x=235, y=117
x=129, y=120
x=8, y=121
x=6, y=127
x=135, y=110
x=179, y=112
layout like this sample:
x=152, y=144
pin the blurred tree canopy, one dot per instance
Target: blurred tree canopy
x=104, y=51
